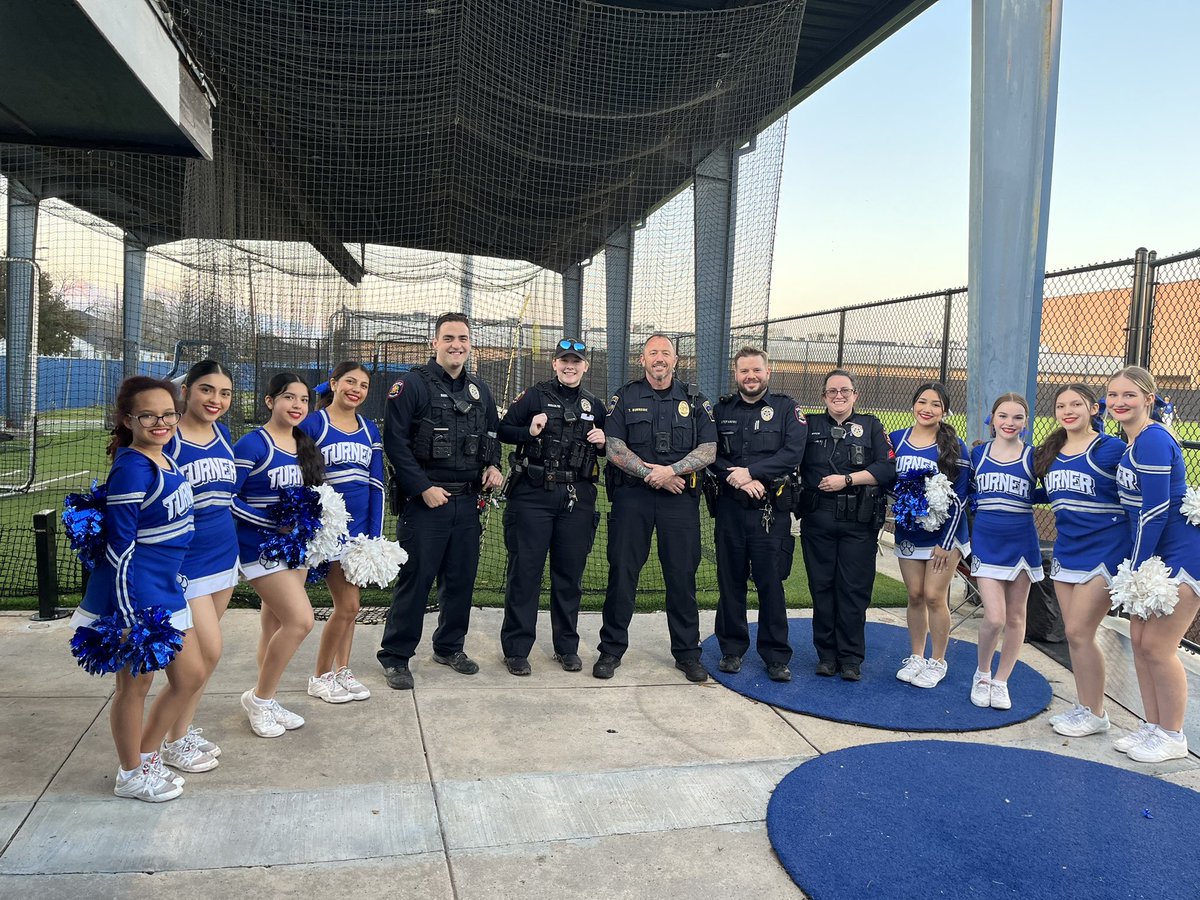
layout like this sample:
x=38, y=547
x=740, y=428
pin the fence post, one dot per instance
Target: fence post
x=841, y=337
x=1148, y=290
x=944, y=369
x=44, y=528
x=1134, y=333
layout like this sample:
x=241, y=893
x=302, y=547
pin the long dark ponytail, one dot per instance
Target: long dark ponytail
x=1047, y=451
x=122, y=435
x=308, y=456
x=949, y=451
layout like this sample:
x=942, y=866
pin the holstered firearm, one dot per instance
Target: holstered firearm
x=710, y=486
x=397, y=500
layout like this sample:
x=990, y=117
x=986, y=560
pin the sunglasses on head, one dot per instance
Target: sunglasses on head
x=568, y=344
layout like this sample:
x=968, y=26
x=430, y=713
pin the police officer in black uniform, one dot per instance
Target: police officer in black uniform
x=660, y=438
x=761, y=437
x=558, y=428
x=848, y=465
x=440, y=438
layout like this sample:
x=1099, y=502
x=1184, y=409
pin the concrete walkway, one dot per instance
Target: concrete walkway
x=486, y=786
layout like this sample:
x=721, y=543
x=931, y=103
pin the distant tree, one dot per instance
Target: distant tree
x=58, y=324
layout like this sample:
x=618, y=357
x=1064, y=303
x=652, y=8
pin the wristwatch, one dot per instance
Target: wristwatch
x=849, y=480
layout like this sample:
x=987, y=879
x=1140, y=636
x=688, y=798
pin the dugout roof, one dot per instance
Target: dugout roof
x=526, y=129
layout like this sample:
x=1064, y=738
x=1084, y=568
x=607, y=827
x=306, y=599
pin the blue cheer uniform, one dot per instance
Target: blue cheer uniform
x=1004, y=537
x=353, y=468
x=211, y=563
x=919, y=543
x=147, y=527
x=1153, y=481
x=263, y=471
x=1093, y=530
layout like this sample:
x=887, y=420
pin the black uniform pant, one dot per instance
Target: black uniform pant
x=746, y=550
x=840, y=559
x=443, y=544
x=637, y=513
x=537, y=522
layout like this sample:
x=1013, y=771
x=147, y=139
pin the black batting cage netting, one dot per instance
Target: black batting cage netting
x=377, y=163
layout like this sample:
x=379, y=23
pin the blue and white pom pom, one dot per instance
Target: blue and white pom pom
x=1191, y=506
x=297, y=517
x=938, y=492
x=910, y=503
x=1149, y=590
x=83, y=522
x=103, y=646
x=334, y=528
x=372, y=561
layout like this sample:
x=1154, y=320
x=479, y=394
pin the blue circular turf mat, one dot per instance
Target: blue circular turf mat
x=921, y=819
x=880, y=700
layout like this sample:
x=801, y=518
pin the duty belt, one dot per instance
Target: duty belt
x=459, y=487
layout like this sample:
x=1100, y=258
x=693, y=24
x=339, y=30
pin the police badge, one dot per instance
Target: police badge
x=856, y=429
x=684, y=409
x=473, y=391
x=768, y=413
x=585, y=404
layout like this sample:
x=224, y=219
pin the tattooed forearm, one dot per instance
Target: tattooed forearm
x=696, y=460
x=626, y=460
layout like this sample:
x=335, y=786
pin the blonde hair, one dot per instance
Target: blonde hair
x=1144, y=382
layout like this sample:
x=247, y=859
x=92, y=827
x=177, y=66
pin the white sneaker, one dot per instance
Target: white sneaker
x=202, y=744
x=262, y=717
x=327, y=688
x=156, y=764
x=913, y=666
x=1158, y=746
x=1065, y=716
x=146, y=784
x=285, y=717
x=1083, y=723
x=353, y=686
x=933, y=672
x=999, y=698
x=1125, y=744
x=981, y=690
x=184, y=755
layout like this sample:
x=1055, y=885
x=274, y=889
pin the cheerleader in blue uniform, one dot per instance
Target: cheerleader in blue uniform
x=270, y=458
x=1005, y=552
x=1077, y=465
x=928, y=559
x=1152, y=482
x=148, y=527
x=203, y=451
x=352, y=451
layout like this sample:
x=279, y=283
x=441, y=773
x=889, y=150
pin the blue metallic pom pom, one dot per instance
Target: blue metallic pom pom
x=83, y=522
x=911, y=502
x=152, y=642
x=298, y=516
x=98, y=647
x=316, y=574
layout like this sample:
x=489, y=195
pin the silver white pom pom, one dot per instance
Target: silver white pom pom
x=938, y=491
x=1191, y=506
x=372, y=561
x=1149, y=590
x=335, y=527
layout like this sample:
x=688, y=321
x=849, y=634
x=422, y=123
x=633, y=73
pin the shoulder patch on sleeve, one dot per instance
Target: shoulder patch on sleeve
x=396, y=388
x=612, y=402
x=891, y=450
x=709, y=409
x=517, y=399
x=800, y=416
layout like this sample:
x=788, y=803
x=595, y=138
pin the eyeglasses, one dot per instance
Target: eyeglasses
x=839, y=392
x=149, y=420
x=568, y=344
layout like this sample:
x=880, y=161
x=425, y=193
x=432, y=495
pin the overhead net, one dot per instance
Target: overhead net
x=377, y=163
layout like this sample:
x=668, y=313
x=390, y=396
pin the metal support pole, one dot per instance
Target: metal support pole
x=618, y=294
x=715, y=215
x=841, y=345
x=22, y=304
x=572, y=301
x=1137, y=311
x=468, y=283
x=45, y=526
x=944, y=369
x=133, y=295
x=1014, y=96
x=1148, y=307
